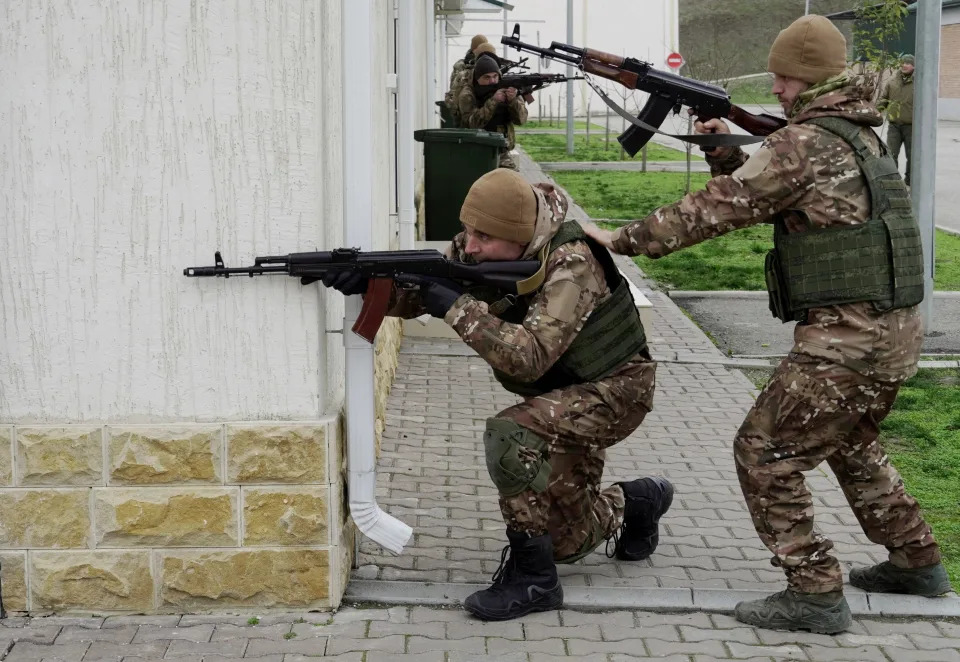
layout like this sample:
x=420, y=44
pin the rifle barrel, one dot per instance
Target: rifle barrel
x=226, y=272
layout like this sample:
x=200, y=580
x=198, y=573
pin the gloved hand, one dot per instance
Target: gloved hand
x=345, y=282
x=436, y=294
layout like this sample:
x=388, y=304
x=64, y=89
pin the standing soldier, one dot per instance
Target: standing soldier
x=482, y=104
x=897, y=101
x=469, y=58
x=575, y=349
x=848, y=265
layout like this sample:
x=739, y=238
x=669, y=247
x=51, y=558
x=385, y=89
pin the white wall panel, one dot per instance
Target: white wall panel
x=135, y=138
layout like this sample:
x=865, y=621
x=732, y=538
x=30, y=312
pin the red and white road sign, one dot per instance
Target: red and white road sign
x=674, y=60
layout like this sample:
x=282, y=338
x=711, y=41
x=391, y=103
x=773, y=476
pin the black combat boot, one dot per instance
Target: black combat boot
x=526, y=581
x=647, y=499
x=888, y=578
x=823, y=613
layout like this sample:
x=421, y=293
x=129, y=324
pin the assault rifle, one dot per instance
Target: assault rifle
x=506, y=65
x=527, y=83
x=667, y=92
x=381, y=268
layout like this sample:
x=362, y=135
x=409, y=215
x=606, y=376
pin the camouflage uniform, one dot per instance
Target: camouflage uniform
x=460, y=65
x=578, y=422
x=492, y=116
x=826, y=400
x=462, y=74
x=897, y=99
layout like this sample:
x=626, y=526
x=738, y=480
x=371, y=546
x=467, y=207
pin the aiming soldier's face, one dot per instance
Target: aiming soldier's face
x=787, y=89
x=491, y=78
x=484, y=248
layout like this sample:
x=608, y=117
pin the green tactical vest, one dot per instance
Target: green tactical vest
x=879, y=261
x=611, y=336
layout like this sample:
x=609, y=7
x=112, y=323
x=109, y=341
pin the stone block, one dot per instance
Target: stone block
x=94, y=581
x=156, y=455
x=289, y=453
x=44, y=518
x=13, y=575
x=166, y=516
x=60, y=455
x=192, y=580
x=6, y=455
x=277, y=516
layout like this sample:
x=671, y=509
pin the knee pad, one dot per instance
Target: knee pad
x=503, y=441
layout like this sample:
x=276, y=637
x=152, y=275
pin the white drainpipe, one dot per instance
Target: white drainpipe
x=431, y=42
x=358, y=125
x=406, y=102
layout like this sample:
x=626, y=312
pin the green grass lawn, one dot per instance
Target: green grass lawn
x=562, y=124
x=752, y=91
x=623, y=195
x=731, y=262
x=922, y=437
x=553, y=147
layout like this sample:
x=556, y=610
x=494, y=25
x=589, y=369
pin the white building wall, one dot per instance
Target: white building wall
x=645, y=30
x=137, y=139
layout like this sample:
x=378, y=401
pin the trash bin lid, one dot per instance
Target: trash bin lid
x=478, y=136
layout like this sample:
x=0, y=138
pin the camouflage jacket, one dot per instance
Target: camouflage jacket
x=804, y=168
x=573, y=285
x=475, y=116
x=466, y=62
x=897, y=99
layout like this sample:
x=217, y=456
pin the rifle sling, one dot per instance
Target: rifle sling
x=701, y=139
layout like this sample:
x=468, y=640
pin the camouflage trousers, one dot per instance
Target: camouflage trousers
x=507, y=161
x=579, y=423
x=810, y=411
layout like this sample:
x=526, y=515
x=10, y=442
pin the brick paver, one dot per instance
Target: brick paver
x=423, y=633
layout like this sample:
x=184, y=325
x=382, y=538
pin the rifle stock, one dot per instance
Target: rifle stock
x=758, y=125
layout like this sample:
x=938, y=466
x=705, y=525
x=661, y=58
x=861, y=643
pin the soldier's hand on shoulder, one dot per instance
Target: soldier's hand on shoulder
x=601, y=236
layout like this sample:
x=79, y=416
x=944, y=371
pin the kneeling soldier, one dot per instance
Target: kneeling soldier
x=575, y=349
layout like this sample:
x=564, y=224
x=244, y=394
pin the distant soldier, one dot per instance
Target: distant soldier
x=573, y=346
x=469, y=57
x=897, y=101
x=465, y=77
x=483, y=105
x=848, y=265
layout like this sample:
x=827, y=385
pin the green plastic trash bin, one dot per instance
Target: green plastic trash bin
x=453, y=160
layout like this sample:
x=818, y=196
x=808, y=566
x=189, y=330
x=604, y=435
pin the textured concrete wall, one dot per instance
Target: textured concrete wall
x=138, y=138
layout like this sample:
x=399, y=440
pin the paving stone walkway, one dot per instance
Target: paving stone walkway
x=446, y=635
x=674, y=606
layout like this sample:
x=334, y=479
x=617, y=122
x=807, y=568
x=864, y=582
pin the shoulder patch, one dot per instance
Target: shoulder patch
x=560, y=300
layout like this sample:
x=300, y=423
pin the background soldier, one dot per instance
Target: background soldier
x=860, y=334
x=574, y=348
x=482, y=105
x=469, y=58
x=897, y=101
x=465, y=77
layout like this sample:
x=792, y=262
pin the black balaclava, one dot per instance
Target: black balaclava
x=485, y=65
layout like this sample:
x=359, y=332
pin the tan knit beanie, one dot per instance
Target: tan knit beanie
x=476, y=41
x=811, y=49
x=501, y=204
x=485, y=48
